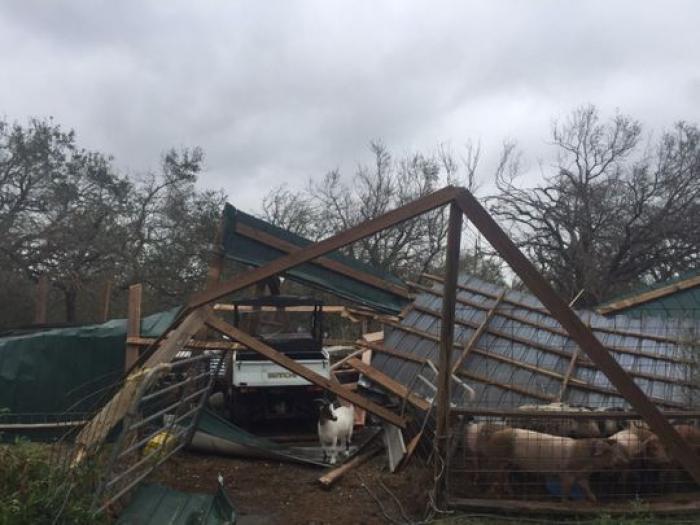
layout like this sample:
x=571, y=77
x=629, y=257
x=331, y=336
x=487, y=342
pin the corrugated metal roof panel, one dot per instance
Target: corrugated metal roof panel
x=535, y=353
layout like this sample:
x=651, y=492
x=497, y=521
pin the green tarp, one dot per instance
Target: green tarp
x=56, y=370
x=256, y=253
x=158, y=505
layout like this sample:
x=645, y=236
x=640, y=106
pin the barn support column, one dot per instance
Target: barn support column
x=447, y=324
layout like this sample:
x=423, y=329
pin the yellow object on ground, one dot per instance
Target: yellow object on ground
x=161, y=442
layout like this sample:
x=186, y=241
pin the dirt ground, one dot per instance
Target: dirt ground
x=265, y=491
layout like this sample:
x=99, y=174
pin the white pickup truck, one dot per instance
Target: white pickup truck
x=262, y=390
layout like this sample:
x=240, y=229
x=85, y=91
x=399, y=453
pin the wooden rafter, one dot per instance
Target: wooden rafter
x=282, y=360
x=474, y=339
x=133, y=325
x=389, y=383
x=325, y=262
x=650, y=295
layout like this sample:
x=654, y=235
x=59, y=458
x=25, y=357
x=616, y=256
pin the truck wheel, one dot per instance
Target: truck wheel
x=240, y=410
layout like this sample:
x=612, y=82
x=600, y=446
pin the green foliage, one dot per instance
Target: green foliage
x=33, y=490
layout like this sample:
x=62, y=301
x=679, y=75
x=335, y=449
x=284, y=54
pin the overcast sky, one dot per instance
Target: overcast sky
x=284, y=91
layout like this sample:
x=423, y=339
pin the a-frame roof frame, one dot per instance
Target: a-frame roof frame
x=525, y=270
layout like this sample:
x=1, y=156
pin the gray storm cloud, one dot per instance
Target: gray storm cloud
x=283, y=91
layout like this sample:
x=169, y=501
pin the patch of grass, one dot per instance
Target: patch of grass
x=33, y=491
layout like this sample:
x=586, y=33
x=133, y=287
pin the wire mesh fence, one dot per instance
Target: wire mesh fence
x=161, y=406
x=602, y=457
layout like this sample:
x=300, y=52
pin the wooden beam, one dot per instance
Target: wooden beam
x=95, y=432
x=580, y=333
x=547, y=414
x=42, y=300
x=474, y=339
x=567, y=376
x=290, y=364
x=194, y=344
x=447, y=330
x=325, y=262
x=133, y=325
x=106, y=300
x=309, y=253
x=506, y=386
x=334, y=475
x=689, y=504
x=394, y=353
x=327, y=309
x=388, y=383
x=650, y=295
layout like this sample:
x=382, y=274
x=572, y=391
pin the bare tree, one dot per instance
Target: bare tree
x=613, y=214
x=333, y=204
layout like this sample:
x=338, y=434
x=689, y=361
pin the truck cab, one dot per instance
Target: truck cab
x=261, y=390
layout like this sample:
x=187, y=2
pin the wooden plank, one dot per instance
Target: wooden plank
x=374, y=337
x=115, y=409
x=334, y=475
x=545, y=414
x=194, y=344
x=395, y=353
x=567, y=376
x=477, y=334
x=290, y=364
x=42, y=300
x=360, y=413
x=580, y=333
x=325, y=262
x=506, y=386
x=411, y=448
x=447, y=329
x=689, y=503
x=650, y=295
x=390, y=384
x=133, y=325
x=106, y=300
x=303, y=309
x=345, y=359
x=309, y=253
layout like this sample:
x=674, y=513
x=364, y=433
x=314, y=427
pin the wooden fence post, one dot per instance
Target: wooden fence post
x=106, y=300
x=42, y=300
x=133, y=325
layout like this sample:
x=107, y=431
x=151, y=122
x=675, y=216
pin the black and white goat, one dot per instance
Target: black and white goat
x=335, y=425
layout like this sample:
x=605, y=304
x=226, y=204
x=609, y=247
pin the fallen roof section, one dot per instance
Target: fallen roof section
x=252, y=241
x=154, y=504
x=522, y=355
x=217, y=435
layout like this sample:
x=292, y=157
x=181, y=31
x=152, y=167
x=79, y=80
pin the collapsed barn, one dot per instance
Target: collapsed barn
x=459, y=377
x=526, y=372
